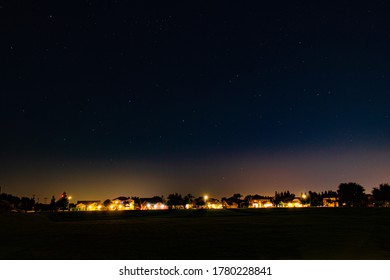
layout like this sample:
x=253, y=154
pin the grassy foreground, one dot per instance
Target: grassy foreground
x=310, y=233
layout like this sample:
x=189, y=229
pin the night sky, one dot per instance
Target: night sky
x=141, y=98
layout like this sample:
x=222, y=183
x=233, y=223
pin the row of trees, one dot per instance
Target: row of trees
x=348, y=195
x=176, y=200
x=28, y=204
x=10, y=201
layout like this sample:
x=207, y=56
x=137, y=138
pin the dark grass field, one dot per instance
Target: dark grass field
x=309, y=233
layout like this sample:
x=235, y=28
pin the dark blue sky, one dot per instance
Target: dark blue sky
x=112, y=84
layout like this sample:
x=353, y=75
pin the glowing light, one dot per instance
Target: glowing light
x=148, y=205
x=112, y=207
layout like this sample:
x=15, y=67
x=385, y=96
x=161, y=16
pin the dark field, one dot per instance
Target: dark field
x=310, y=233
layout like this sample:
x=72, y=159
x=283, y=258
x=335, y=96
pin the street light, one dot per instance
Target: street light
x=205, y=200
x=305, y=200
x=69, y=198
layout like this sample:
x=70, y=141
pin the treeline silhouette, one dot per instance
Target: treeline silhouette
x=348, y=195
x=9, y=202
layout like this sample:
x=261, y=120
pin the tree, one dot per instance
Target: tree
x=329, y=193
x=188, y=199
x=175, y=200
x=314, y=199
x=351, y=194
x=13, y=200
x=107, y=203
x=382, y=195
x=137, y=202
x=52, y=205
x=235, y=200
x=200, y=202
x=63, y=202
x=27, y=204
x=283, y=197
x=248, y=198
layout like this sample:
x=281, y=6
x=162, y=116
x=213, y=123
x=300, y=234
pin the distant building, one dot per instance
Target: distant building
x=260, y=203
x=370, y=200
x=212, y=203
x=122, y=203
x=229, y=204
x=330, y=202
x=88, y=205
x=295, y=203
x=153, y=203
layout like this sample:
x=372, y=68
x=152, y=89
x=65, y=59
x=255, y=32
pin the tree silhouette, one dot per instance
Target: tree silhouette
x=107, y=202
x=175, y=200
x=234, y=200
x=52, y=205
x=351, y=194
x=199, y=202
x=382, y=195
x=137, y=202
x=315, y=199
x=63, y=202
x=27, y=204
x=188, y=199
x=283, y=197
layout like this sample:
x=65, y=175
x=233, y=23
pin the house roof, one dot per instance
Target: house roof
x=87, y=202
x=262, y=200
x=121, y=198
x=228, y=202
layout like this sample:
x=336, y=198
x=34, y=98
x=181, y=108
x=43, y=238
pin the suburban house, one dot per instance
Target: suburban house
x=122, y=203
x=229, y=204
x=330, y=202
x=190, y=205
x=154, y=203
x=88, y=205
x=260, y=203
x=212, y=203
x=295, y=203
